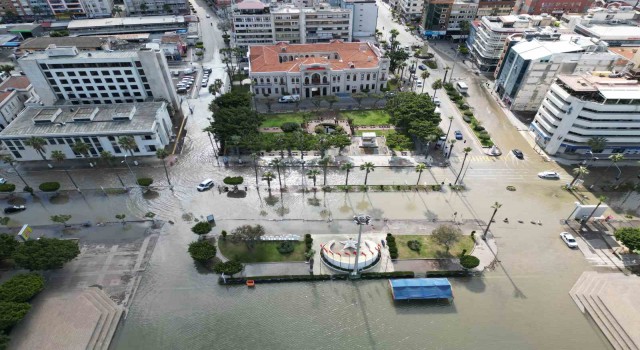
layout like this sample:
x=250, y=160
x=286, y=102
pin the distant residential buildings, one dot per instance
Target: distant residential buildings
x=314, y=70
x=552, y=7
x=529, y=67
x=14, y=93
x=580, y=107
x=443, y=17
x=98, y=126
x=495, y=8
x=410, y=10
x=98, y=77
x=147, y=7
x=121, y=25
x=364, y=17
x=618, y=26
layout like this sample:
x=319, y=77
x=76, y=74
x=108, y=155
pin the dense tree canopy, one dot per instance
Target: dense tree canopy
x=8, y=245
x=45, y=253
x=414, y=113
x=202, y=251
x=21, y=288
x=235, y=121
x=11, y=313
x=629, y=236
x=232, y=99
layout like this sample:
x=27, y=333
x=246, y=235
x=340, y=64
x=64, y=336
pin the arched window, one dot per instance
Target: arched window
x=315, y=78
x=306, y=80
x=368, y=76
x=325, y=80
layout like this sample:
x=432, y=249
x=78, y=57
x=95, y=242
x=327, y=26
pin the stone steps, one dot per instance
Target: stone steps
x=596, y=295
x=113, y=325
x=110, y=314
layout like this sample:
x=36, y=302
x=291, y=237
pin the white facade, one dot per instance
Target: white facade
x=157, y=7
x=461, y=10
x=98, y=8
x=98, y=126
x=364, y=16
x=410, y=9
x=578, y=108
x=15, y=92
x=63, y=73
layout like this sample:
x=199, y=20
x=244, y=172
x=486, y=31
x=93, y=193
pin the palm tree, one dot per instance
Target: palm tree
x=452, y=142
x=466, y=151
x=117, y=10
x=128, y=143
x=420, y=167
x=579, y=171
x=368, y=167
x=143, y=7
x=277, y=163
x=495, y=207
x=424, y=75
x=437, y=85
x=58, y=156
x=106, y=156
x=80, y=148
x=312, y=174
x=162, y=154
x=597, y=144
x=601, y=199
x=325, y=161
x=347, y=167
x=268, y=177
x=9, y=160
x=429, y=139
x=37, y=143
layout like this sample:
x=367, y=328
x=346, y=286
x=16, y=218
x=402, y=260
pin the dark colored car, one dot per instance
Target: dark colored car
x=458, y=134
x=422, y=67
x=518, y=153
x=14, y=209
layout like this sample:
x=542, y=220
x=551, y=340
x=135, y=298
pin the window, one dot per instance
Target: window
x=150, y=148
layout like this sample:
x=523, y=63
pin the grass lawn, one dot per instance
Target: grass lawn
x=371, y=117
x=430, y=249
x=262, y=252
x=276, y=120
x=378, y=132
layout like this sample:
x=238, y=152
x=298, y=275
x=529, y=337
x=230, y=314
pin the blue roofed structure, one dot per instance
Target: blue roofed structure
x=421, y=288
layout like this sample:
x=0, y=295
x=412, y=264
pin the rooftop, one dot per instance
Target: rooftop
x=251, y=5
x=71, y=120
x=609, y=87
x=627, y=52
x=535, y=49
x=266, y=58
x=42, y=55
x=15, y=83
x=123, y=21
x=81, y=42
x=603, y=31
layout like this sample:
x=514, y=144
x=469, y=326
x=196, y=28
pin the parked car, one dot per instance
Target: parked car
x=436, y=101
x=419, y=84
x=458, y=134
x=2, y=181
x=549, y=175
x=518, y=153
x=208, y=70
x=14, y=209
x=205, y=185
x=569, y=240
x=204, y=83
x=422, y=67
x=289, y=99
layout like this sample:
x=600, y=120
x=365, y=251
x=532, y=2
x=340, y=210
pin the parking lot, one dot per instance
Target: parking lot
x=186, y=80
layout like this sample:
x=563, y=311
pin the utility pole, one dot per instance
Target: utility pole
x=359, y=220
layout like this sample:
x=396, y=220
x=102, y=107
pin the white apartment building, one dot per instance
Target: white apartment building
x=256, y=24
x=99, y=126
x=531, y=66
x=488, y=35
x=98, y=8
x=461, y=10
x=99, y=77
x=410, y=10
x=311, y=70
x=148, y=7
x=14, y=93
x=364, y=16
x=579, y=107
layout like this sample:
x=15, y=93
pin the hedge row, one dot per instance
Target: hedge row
x=310, y=278
x=455, y=273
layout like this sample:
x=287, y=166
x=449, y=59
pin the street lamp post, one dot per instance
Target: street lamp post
x=447, y=136
x=359, y=220
x=135, y=181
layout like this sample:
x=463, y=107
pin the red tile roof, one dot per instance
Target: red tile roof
x=15, y=82
x=266, y=58
x=4, y=95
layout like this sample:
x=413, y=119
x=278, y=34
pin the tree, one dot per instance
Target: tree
x=22, y=287
x=60, y=219
x=162, y=154
x=201, y=228
x=437, y=85
x=376, y=96
x=144, y=7
x=8, y=245
x=465, y=26
x=447, y=235
x=579, y=171
x=7, y=69
x=324, y=162
x=107, y=156
x=167, y=8
x=247, y=234
x=347, y=167
x=117, y=10
x=58, y=156
x=466, y=153
x=424, y=75
x=312, y=174
x=121, y=217
x=81, y=148
x=629, y=236
x=341, y=141
x=37, y=143
x=9, y=160
x=202, y=251
x=128, y=143
x=230, y=267
x=235, y=121
x=414, y=113
x=495, y=207
x=420, y=167
x=359, y=97
x=277, y=163
x=4, y=341
x=331, y=99
x=45, y=253
x=368, y=167
x=601, y=200
x=597, y=144
x=11, y=313
x=268, y=177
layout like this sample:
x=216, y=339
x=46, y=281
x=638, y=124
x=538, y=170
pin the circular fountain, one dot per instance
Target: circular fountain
x=344, y=259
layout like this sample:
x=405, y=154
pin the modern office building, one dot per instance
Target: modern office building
x=122, y=25
x=494, y=8
x=552, y=7
x=488, y=35
x=461, y=11
x=157, y=7
x=14, y=93
x=531, y=66
x=99, y=126
x=435, y=17
x=364, y=17
x=99, y=77
x=312, y=70
x=579, y=107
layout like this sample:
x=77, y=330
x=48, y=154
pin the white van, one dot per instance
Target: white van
x=289, y=99
x=188, y=71
x=462, y=87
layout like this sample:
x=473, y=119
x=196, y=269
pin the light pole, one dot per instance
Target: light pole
x=454, y=64
x=359, y=220
x=135, y=180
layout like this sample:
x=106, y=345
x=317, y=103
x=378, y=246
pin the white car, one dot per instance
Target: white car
x=569, y=240
x=208, y=16
x=419, y=84
x=2, y=181
x=549, y=175
x=205, y=185
x=436, y=101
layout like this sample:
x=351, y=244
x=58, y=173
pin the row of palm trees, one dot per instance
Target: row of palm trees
x=583, y=170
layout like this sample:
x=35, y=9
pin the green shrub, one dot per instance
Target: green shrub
x=228, y=268
x=414, y=245
x=7, y=187
x=319, y=129
x=145, y=181
x=469, y=261
x=432, y=64
x=223, y=234
x=11, y=313
x=49, y=186
x=233, y=180
x=449, y=87
x=286, y=247
x=202, y=251
x=290, y=127
x=201, y=228
x=21, y=288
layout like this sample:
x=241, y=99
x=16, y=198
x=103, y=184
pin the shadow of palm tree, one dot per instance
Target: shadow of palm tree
x=236, y=194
